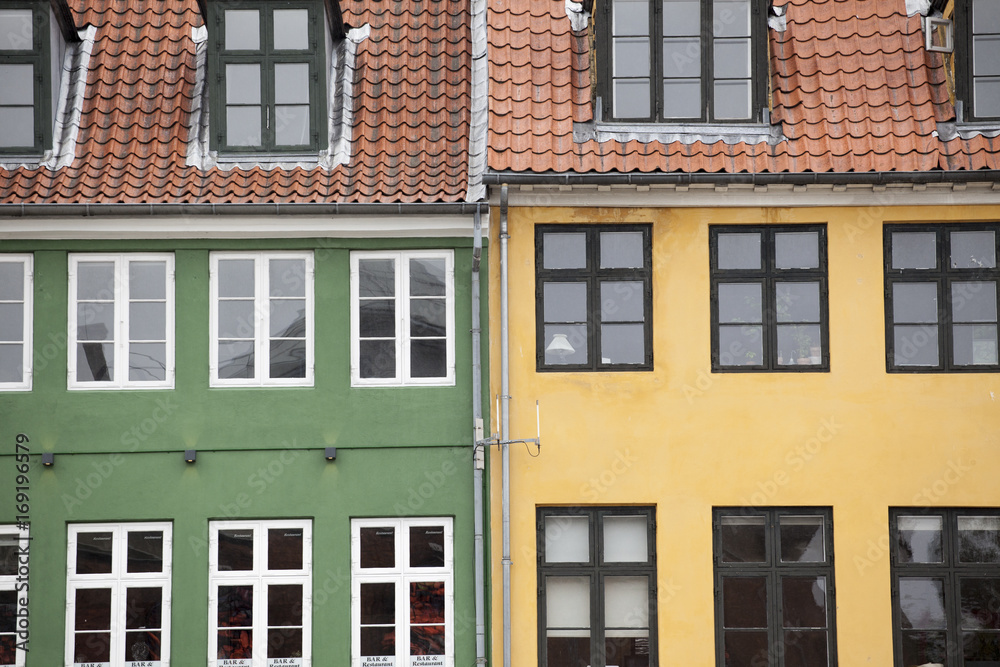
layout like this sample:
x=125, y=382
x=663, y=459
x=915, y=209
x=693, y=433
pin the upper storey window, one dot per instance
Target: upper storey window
x=979, y=59
x=683, y=60
x=267, y=64
x=25, y=116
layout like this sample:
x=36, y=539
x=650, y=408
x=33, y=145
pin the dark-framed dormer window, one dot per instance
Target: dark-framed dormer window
x=977, y=51
x=25, y=74
x=267, y=71
x=680, y=61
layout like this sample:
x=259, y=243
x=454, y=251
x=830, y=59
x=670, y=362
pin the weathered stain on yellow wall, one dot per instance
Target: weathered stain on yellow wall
x=685, y=439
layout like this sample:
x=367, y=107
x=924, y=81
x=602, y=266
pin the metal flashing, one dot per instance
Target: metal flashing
x=479, y=122
x=956, y=130
x=686, y=134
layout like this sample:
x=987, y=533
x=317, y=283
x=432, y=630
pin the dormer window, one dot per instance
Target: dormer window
x=683, y=61
x=979, y=59
x=25, y=108
x=267, y=64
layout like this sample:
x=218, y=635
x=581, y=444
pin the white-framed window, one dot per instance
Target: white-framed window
x=262, y=319
x=118, y=595
x=13, y=594
x=16, y=277
x=402, y=592
x=260, y=593
x=403, y=318
x=121, y=321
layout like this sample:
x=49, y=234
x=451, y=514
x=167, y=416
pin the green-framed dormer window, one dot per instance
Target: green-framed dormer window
x=267, y=66
x=25, y=106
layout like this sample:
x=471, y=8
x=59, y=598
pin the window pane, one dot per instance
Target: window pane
x=147, y=362
x=236, y=549
x=378, y=547
x=682, y=58
x=985, y=16
x=93, y=553
x=235, y=645
x=974, y=301
x=11, y=281
x=567, y=604
x=284, y=643
x=732, y=59
x=744, y=602
x=921, y=603
x=800, y=345
x=378, y=603
x=236, y=360
x=427, y=602
x=564, y=251
x=8, y=620
x=95, y=281
x=630, y=17
x=739, y=303
x=284, y=549
x=17, y=84
x=621, y=250
x=805, y=648
x=741, y=345
x=291, y=126
x=914, y=250
x=622, y=301
x=427, y=546
x=147, y=280
x=236, y=278
x=145, y=551
x=235, y=606
x=746, y=649
x=681, y=17
x=986, y=55
x=632, y=99
x=428, y=640
x=378, y=358
x=797, y=302
x=625, y=539
x=143, y=608
x=795, y=250
x=739, y=251
x=631, y=57
x=919, y=539
x=920, y=648
x=243, y=126
x=914, y=302
x=95, y=362
x=803, y=602
x=376, y=277
x=626, y=602
x=93, y=609
x=975, y=344
x=802, y=539
x=731, y=18
x=979, y=539
x=242, y=30
x=427, y=277
x=243, y=84
x=11, y=322
x=11, y=363
x=622, y=344
x=981, y=648
x=284, y=604
x=17, y=126
x=236, y=319
x=565, y=344
x=95, y=321
x=567, y=539
x=428, y=317
x=16, y=30
x=428, y=359
x=147, y=321
x=915, y=346
x=291, y=29
x=741, y=539
x=92, y=647
x=378, y=641
x=973, y=250
x=287, y=358
x=8, y=554
x=732, y=99
x=287, y=277
x=979, y=603
x=565, y=302
x=377, y=318
x=288, y=318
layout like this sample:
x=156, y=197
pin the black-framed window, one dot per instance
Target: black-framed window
x=774, y=587
x=683, y=60
x=941, y=297
x=977, y=52
x=594, y=297
x=945, y=586
x=25, y=107
x=770, y=308
x=268, y=65
x=597, y=586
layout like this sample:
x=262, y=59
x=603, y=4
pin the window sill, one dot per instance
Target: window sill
x=685, y=133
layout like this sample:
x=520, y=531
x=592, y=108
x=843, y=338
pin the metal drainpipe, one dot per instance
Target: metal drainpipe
x=505, y=417
x=477, y=424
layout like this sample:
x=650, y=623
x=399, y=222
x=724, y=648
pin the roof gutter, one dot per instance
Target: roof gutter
x=262, y=209
x=782, y=178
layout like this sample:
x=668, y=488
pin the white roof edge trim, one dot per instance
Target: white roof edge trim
x=479, y=120
x=236, y=227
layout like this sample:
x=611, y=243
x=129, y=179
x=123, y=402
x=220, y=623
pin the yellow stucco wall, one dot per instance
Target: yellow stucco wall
x=685, y=439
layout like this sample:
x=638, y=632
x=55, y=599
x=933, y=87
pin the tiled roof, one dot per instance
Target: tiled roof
x=852, y=87
x=410, y=125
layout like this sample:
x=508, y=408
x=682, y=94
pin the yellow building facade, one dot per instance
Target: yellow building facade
x=854, y=441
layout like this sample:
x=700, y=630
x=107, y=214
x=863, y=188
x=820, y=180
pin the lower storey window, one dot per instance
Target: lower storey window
x=774, y=587
x=13, y=596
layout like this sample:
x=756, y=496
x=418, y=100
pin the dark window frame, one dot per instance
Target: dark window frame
x=593, y=275
x=767, y=276
x=772, y=569
x=39, y=57
x=944, y=276
x=596, y=571
x=951, y=570
x=759, y=68
x=964, y=64
x=267, y=57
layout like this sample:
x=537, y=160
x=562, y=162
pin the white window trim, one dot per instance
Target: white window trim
x=26, y=335
x=117, y=580
x=121, y=333
x=259, y=577
x=402, y=575
x=402, y=376
x=11, y=583
x=262, y=351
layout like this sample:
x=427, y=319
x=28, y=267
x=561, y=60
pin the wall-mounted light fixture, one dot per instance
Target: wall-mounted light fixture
x=330, y=453
x=48, y=459
x=190, y=455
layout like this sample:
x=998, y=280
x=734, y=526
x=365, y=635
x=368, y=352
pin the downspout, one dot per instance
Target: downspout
x=505, y=427
x=478, y=453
